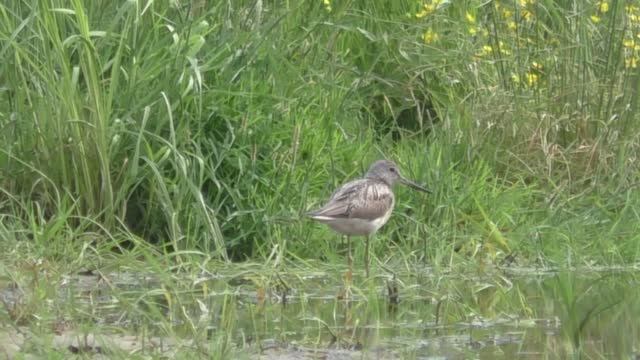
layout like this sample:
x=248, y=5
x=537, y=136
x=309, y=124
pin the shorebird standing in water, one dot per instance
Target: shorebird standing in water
x=360, y=207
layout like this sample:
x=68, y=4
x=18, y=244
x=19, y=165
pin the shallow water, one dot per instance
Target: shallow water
x=498, y=313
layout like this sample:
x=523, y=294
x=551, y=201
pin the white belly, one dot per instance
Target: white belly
x=354, y=226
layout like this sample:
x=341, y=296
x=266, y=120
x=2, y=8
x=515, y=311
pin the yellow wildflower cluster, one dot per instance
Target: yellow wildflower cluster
x=531, y=77
x=631, y=52
x=631, y=43
x=602, y=7
x=514, y=29
x=327, y=5
x=428, y=8
x=430, y=36
x=633, y=13
x=472, y=26
x=515, y=24
x=507, y=15
x=493, y=49
x=526, y=9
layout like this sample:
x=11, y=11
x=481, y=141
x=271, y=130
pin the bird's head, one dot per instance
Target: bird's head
x=387, y=171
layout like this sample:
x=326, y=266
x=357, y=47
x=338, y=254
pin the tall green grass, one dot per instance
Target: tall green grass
x=213, y=126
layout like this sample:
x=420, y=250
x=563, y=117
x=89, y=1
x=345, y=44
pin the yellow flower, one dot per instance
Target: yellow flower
x=632, y=9
x=485, y=51
x=427, y=9
x=595, y=19
x=536, y=66
x=532, y=79
x=511, y=25
x=633, y=12
x=471, y=18
x=525, y=9
x=503, y=48
x=327, y=5
x=604, y=6
x=631, y=62
x=430, y=36
x=431, y=7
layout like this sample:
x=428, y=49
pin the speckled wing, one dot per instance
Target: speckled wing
x=360, y=199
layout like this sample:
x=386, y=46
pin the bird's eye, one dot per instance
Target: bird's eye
x=392, y=169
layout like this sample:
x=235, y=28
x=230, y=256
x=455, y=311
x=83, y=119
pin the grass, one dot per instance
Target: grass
x=180, y=137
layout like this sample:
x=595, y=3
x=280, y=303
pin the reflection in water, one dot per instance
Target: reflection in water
x=513, y=313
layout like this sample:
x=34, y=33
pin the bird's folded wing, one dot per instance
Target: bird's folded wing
x=358, y=199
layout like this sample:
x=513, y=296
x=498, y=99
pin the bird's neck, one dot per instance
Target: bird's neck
x=378, y=179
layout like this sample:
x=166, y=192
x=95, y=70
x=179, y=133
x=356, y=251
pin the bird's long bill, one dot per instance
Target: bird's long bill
x=414, y=185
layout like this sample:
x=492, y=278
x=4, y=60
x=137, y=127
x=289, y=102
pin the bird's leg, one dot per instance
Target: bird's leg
x=366, y=256
x=350, y=259
x=349, y=275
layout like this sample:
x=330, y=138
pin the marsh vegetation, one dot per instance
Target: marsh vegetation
x=157, y=159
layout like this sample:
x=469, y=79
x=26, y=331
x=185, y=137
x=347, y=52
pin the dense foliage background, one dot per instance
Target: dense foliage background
x=157, y=159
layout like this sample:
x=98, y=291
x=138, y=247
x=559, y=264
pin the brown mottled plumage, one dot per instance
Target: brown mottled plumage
x=360, y=207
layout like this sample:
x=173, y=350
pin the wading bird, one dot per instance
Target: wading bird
x=360, y=207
